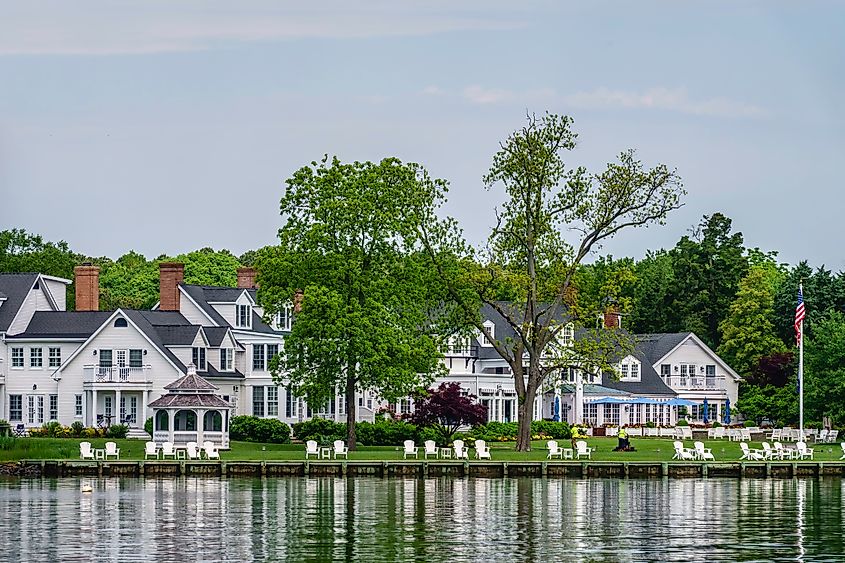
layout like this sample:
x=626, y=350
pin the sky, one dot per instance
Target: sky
x=163, y=127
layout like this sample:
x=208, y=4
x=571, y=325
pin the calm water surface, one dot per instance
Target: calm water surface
x=325, y=519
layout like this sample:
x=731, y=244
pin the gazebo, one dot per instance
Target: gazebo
x=191, y=412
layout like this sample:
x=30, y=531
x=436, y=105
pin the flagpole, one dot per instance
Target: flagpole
x=801, y=372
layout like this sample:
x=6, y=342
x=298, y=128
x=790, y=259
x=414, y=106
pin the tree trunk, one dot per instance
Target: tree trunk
x=526, y=414
x=351, y=410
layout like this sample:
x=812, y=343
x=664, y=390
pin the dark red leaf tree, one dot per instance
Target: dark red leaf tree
x=446, y=409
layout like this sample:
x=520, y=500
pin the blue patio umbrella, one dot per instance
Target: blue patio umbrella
x=704, y=406
x=556, y=416
x=727, y=414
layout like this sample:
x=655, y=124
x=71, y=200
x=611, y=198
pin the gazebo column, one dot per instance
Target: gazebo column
x=117, y=406
x=145, y=396
x=200, y=425
x=93, y=408
x=171, y=417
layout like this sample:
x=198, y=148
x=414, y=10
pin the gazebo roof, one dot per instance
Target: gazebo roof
x=191, y=382
x=203, y=400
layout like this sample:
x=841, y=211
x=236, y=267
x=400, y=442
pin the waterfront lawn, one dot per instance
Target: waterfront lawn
x=648, y=449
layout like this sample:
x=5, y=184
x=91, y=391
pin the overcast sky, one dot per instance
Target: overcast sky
x=164, y=127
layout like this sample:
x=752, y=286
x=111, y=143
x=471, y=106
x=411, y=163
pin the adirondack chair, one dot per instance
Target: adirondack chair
x=340, y=449
x=311, y=448
x=112, y=450
x=749, y=454
x=481, y=450
x=192, y=450
x=682, y=453
x=410, y=449
x=461, y=451
x=803, y=451
x=430, y=448
x=554, y=450
x=210, y=450
x=702, y=453
x=582, y=450
x=150, y=450
x=167, y=450
x=85, y=451
x=768, y=452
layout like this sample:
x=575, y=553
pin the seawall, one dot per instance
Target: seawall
x=419, y=469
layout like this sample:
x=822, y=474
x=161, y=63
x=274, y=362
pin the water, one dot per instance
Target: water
x=370, y=519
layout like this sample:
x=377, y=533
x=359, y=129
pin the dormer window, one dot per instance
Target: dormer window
x=284, y=318
x=227, y=359
x=567, y=335
x=491, y=329
x=199, y=358
x=244, y=316
x=629, y=369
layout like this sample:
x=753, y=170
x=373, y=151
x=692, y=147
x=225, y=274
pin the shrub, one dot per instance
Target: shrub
x=90, y=433
x=750, y=423
x=77, y=428
x=716, y=424
x=386, y=432
x=320, y=429
x=117, y=431
x=682, y=422
x=255, y=429
x=495, y=432
x=550, y=429
x=650, y=424
x=148, y=426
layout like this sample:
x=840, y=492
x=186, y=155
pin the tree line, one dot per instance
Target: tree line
x=385, y=278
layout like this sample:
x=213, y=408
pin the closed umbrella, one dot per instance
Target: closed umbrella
x=727, y=417
x=557, y=410
x=704, y=406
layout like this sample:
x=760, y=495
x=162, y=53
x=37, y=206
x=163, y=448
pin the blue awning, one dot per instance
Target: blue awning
x=678, y=402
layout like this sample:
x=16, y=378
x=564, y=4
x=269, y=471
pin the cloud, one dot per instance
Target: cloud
x=433, y=91
x=677, y=100
x=481, y=95
x=58, y=27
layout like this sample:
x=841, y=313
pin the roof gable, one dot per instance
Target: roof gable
x=15, y=287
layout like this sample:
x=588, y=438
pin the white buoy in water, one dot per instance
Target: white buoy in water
x=86, y=488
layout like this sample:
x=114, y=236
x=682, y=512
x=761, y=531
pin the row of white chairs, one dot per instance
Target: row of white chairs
x=87, y=452
x=768, y=452
x=696, y=453
x=461, y=451
x=581, y=450
x=192, y=450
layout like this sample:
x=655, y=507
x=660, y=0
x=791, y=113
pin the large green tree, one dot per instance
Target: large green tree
x=533, y=251
x=748, y=332
x=707, y=266
x=21, y=251
x=824, y=370
x=367, y=318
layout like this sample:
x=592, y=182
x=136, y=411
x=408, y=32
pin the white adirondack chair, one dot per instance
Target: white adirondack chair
x=719, y=434
x=781, y=452
x=112, y=450
x=842, y=445
x=210, y=450
x=430, y=448
x=803, y=451
x=192, y=450
x=461, y=451
x=410, y=449
x=768, y=452
x=776, y=435
x=554, y=450
x=822, y=436
x=312, y=449
x=832, y=436
x=686, y=431
x=682, y=453
x=702, y=453
x=582, y=450
x=481, y=450
x=85, y=451
x=340, y=449
x=749, y=454
x=167, y=450
x=150, y=450
x=745, y=435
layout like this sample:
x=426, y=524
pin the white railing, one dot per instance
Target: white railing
x=181, y=437
x=695, y=382
x=116, y=374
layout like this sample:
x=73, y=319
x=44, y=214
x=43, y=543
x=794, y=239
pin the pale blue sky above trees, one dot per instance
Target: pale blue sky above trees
x=166, y=127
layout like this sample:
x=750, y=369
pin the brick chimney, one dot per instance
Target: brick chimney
x=170, y=275
x=297, y=301
x=246, y=278
x=612, y=318
x=86, y=281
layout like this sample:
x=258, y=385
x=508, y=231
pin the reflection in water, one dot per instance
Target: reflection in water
x=414, y=519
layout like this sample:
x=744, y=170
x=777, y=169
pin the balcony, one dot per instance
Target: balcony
x=696, y=383
x=116, y=374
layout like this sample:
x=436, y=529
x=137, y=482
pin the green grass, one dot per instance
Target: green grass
x=648, y=449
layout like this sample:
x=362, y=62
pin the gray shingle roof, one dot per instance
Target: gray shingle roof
x=63, y=324
x=191, y=382
x=649, y=348
x=203, y=294
x=599, y=390
x=177, y=335
x=15, y=287
x=204, y=400
x=215, y=334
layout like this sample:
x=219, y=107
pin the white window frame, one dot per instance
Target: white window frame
x=199, y=357
x=247, y=313
x=630, y=369
x=262, y=366
x=54, y=356
x=77, y=406
x=567, y=335
x=271, y=394
x=17, y=358
x=491, y=328
x=16, y=398
x=36, y=353
x=227, y=359
x=54, y=407
x=284, y=318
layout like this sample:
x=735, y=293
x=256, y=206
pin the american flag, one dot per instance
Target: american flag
x=799, y=314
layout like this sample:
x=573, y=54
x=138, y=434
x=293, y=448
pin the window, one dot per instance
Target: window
x=258, y=401
x=665, y=370
x=272, y=401
x=284, y=318
x=105, y=358
x=36, y=358
x=258, y=356
x=290, y=403
x=491, y=328
x=243, y=319
x=567, y=335
x=17, y=357
x=227, y=358
x=55, y=357
x=629, y=369
x=711, y=371
x=405, y=406
x=272, y=350
x=136, y=358
x=591, y=413
x=78, y=406
x=16, y=405
x=120, y=323
x=199, y=359
x=623, y=371
x=54, y=407
x=30, y=411
x=611, y=414
x=107, y=407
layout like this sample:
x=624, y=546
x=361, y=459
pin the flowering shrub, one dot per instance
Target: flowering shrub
x=255, y=429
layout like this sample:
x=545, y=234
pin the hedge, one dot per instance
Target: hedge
x=255, y=429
